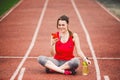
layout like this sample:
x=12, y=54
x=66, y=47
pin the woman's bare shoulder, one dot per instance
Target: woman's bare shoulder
x=75, y=35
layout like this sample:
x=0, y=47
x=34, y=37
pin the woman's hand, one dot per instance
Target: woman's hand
x=53, y=41
x=54, y=38
x=87, y=60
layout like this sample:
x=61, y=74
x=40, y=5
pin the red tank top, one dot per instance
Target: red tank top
x=64, y=51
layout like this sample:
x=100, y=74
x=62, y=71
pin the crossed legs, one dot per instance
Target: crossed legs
x=55, y=65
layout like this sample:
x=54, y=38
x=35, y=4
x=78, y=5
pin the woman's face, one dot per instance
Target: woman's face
x=62, y=26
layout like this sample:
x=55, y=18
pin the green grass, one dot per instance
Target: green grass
x=112, y=5
x=5, y=5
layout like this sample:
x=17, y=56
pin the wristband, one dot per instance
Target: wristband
x=85, y=59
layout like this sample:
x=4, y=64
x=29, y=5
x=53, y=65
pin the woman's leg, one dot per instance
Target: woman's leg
x=65, y=66
x=50, y=63
x=52, y=66
x=72, y=64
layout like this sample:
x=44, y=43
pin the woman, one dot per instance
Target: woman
x=63, y=60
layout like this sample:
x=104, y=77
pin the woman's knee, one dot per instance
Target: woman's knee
x=42, y=60
x=74, y=63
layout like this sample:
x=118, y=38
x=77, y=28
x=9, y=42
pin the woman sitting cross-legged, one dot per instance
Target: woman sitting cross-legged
x=62, y=46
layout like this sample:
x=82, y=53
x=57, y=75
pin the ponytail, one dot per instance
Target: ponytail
x=70, y=33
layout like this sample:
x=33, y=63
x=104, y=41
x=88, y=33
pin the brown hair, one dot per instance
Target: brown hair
x=65, y=18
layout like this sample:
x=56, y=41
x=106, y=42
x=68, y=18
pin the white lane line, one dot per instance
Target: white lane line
x=7, y=13
x=108, y=11
x=18, y=57
x=32, y=43
x=106, y=77
x=106, y=58
x=20, y=77
x=14, y=57
x=89, y=41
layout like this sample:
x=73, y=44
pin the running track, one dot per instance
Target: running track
x=25, y=34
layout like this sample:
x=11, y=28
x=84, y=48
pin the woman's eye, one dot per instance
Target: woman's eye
x=63, y=24
x=59, y=24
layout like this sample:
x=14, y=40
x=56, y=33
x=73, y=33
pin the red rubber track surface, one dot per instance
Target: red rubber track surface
x=18, y=28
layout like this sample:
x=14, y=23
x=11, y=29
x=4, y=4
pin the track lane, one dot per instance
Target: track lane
x=16, y=32
x=104, y=31
x=32, y=42
x=107, y=26
x=54, y=10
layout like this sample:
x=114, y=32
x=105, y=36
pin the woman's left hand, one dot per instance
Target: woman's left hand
x=88, y=61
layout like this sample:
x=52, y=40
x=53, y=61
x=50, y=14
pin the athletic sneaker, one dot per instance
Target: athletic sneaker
x=49, y=71
x=73, y=71
x=67, y=71
x=70, y=72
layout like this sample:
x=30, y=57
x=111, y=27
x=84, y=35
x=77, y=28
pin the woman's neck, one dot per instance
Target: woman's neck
x=64, y=37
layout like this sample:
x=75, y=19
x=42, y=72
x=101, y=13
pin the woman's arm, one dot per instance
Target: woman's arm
x=52, y=46
x=78, y=49
x=53, y=41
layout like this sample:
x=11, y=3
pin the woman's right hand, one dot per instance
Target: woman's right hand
x=54, y=38
x=53, y=41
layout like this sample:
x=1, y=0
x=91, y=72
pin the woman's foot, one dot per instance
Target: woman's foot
x=67, y=71
x=70, y=72
x=49, y=71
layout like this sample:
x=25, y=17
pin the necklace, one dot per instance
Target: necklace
x=64, y=37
